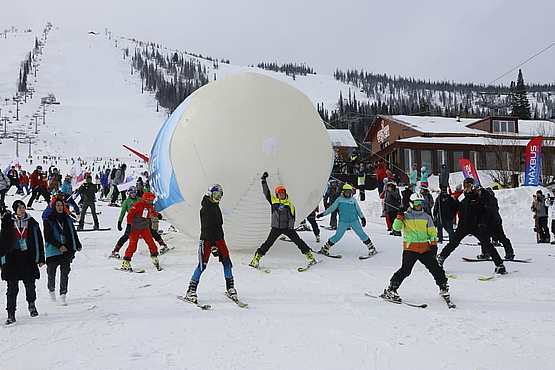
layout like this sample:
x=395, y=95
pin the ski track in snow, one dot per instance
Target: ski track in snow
x=318, y=319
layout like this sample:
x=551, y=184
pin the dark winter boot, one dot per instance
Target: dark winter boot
x=33, y=309
x=444, y=290
x=482, y=257
x=325, y=250
x=390, y=293
x=11, y=318
x=191, y=294
x=510, y=257
x=230, y=287
x=371, y=249
x=500, y=269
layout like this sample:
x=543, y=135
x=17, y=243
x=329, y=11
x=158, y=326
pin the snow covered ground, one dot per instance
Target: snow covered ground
x=319, y=319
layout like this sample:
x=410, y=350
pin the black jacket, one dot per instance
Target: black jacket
x=406, y=198
x=471, y=212
x=17, y=265
x=53, y=233
x=445, y=208
x=211, y=221
x=491, y=207
x=88, y=193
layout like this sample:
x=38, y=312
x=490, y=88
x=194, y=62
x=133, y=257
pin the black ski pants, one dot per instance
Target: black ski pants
x=543, y=230
x=84, y=208
x=65, y=268
x=428, y=259
x=36, y=194
x=497, y=233
x=276, y=233
x=13, y=290
x=124, y=238
x=116, y=193
x=312, y=221
x=481, y=234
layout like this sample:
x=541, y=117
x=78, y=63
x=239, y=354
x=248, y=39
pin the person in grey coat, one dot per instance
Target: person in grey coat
x=119, y=179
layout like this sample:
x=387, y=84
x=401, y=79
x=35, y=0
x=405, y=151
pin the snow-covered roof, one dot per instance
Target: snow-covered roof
x=536, y=127
x=342, y=138
x=469, y=141
x=432, y=124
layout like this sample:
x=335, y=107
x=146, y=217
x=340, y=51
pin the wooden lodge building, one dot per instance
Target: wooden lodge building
x=491, y=143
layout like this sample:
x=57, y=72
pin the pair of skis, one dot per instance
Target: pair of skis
x=206, y=307
x=338, y=256
x=446, y=298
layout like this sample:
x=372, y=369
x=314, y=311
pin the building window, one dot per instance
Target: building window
x=503, y=126
x=426, y=159
x=474, y=158
x=491, y=161
x=456, y=156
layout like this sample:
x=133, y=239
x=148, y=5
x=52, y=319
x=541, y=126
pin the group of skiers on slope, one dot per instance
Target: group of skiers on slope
x=23, y=250
x=142, y=222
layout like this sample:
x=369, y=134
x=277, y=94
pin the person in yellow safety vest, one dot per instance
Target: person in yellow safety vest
x=283, y=222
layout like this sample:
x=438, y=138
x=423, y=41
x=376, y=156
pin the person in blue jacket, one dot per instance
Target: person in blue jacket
x=67, y=190
x=349, y=215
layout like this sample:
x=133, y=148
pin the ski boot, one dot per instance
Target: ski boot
x=390, y=294
x=11, y=318
x=500, y=269
x=126, y=265
x=317, y=238
x=482, y=257
x=255, y=262
x=371, y=249
x=191, y=294
x=396, y=233
x=164, y=249
x=325, y=250
x=115, y=254
x=33, y=309
x=52, y=296
x=444, y=290
x=156, y=262
x=310, y=257
x=510, y=256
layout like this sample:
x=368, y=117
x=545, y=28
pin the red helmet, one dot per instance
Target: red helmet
x=280, y=189
x=148, y=197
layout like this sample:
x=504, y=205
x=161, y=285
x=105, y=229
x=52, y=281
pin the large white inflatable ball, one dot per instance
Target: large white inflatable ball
x=229, y=132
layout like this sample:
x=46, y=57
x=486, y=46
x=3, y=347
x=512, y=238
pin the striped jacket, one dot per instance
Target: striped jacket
x=419, y=232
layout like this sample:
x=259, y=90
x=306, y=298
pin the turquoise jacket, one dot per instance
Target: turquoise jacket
x=349, y=210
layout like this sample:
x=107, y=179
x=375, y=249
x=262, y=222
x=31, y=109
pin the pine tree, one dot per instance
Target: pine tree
x=520, y=105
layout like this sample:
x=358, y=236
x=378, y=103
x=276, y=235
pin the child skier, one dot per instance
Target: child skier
x=139, y=218
x=212, y=241
x=419, y=244
x=349, y=214
x=283, y=222
x=125, y=207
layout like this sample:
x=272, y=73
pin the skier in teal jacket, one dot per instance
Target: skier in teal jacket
x=349, y=215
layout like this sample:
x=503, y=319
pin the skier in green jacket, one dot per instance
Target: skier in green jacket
x=125, y=207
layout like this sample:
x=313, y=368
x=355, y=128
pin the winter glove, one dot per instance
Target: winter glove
x=363, y=222
x=400, y=216
x=159, y=216
x=119, y=226
x=214, y=251
x=319, y=215
x=264, y=176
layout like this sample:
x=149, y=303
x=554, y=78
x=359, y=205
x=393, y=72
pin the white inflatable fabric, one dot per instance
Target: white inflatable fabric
x=229, y=132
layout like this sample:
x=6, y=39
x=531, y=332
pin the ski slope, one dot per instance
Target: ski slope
x=318, y=319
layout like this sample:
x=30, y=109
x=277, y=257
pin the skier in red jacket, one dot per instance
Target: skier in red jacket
x=138, y=218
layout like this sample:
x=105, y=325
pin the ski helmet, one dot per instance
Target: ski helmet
x=347, y=187
x=347, y=190
x=280, y=189
x=416, y=199
x=215, y=192
x=148, y=197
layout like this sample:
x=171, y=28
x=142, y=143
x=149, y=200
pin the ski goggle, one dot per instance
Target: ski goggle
x=217, y=195
x=418, y=202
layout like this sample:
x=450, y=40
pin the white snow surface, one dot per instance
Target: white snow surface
x=314, y=320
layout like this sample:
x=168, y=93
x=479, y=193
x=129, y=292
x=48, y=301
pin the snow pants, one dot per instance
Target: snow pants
x=36, y=194
x=65, y=268
x=498, y=233
x=13, y=290
x=311, y=218
x=344, y=226
x=204, y=251
x=448, y=226
x=543, y=230
x=428, y=259
x=123, y=239
x=84, y=209
x=276, y=233
x=134, y=239
x=482, y=235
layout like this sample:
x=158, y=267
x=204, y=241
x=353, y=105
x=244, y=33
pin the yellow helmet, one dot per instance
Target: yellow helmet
x=347, y=187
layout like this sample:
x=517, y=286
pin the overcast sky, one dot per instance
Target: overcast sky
x=467, y=40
